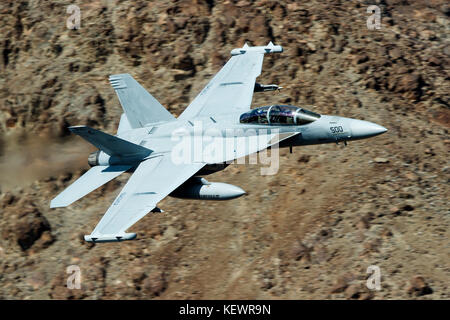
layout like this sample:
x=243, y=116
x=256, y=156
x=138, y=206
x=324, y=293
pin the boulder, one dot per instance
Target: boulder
x=419, y=287
x=25, y=225
x=155, y=284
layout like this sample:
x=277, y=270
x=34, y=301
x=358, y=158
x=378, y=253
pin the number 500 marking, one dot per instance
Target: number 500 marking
x=336, y=129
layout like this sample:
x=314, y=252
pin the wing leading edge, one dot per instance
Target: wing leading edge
x=152, y=181
x=231, y=90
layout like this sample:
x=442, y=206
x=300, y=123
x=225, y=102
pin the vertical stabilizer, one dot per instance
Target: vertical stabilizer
x=139, y=106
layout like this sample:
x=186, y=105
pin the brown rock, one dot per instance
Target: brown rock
x=411, y=176
x=304, y=158
x=387, y=233
x=184, y=63
x=321, y=254
x=410, y=85
x=358, y=292
x=155, y=284
x=258, y=27
x=361, y=59
x=45, y=240
x=363, y=223
x=7, y=200
x=51, y=78
x=395, y=53
x=408, y=207
x=26, y=225
x=342, y=283
x=419, y=287
x=381, y=160
x=372, y=246
x=434, y=61
x=36, y=280
x=300, y=252
x=137, y=275
x=11, y=122
x=395, y=211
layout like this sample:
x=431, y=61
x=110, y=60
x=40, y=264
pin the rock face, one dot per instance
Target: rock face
x=309, y=232
x=154, y=285
x=25, y=225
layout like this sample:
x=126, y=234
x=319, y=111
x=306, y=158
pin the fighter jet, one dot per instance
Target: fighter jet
x=161, y=151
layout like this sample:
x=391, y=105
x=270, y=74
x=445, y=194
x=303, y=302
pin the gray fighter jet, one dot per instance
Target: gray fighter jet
x=163, y=152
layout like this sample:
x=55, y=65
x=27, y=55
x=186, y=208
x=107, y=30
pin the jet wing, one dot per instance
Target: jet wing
x=231, y=90
x=152, y=181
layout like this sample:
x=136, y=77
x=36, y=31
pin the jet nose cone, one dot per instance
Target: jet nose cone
x=364, y=129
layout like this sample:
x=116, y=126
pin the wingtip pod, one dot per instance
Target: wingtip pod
x=270, y=48
x=109, y=237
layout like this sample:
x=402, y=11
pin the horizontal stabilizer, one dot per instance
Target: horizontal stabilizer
x=91, y=180
x=111, y=145
x=140, y=106
x=109, y=237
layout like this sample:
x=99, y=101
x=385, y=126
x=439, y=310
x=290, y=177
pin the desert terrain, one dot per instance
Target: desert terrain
x=308, y=232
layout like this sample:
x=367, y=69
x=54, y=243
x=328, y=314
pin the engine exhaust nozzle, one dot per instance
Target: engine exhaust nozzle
x=93, y=158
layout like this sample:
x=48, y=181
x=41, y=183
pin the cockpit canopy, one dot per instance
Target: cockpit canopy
x=279, y=115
